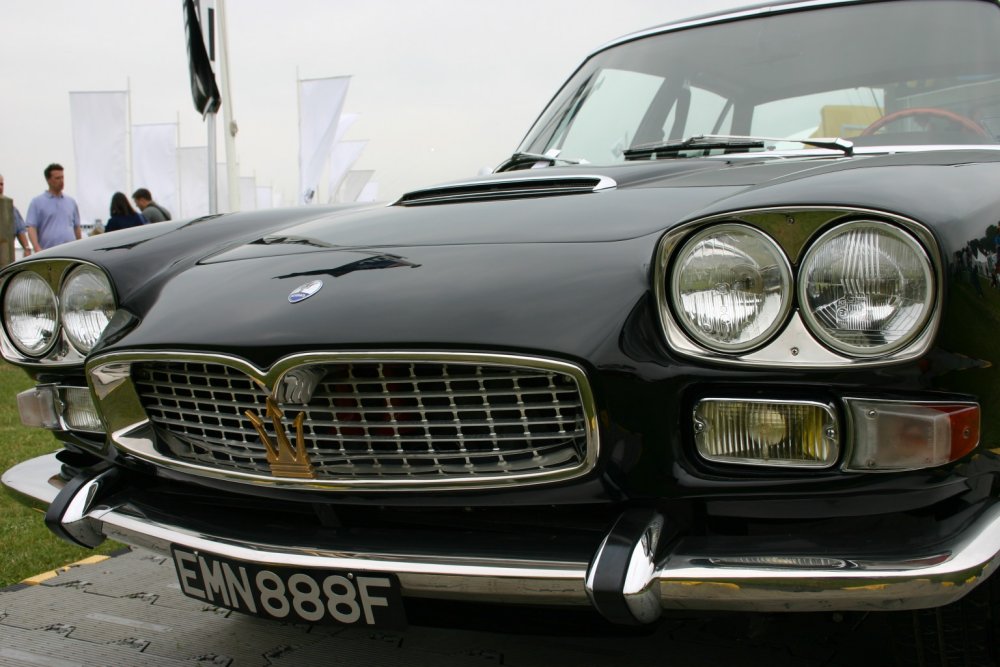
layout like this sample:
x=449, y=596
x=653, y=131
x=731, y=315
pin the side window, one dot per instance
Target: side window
x=606, y=123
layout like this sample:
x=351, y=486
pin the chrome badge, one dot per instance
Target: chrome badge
x=303, y=292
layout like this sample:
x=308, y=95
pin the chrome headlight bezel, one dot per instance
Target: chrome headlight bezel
x=823, y=332
x=54, y=272
x=779, y=265
x=795, y=229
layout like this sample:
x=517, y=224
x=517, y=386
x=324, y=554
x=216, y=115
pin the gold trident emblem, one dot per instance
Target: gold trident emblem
x=284, y=461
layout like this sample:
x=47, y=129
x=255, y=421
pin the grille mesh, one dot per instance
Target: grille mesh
x=370, y=420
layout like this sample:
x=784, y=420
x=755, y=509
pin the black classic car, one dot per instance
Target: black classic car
x=720, y=335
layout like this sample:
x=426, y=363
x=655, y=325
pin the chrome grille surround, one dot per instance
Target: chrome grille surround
x=373, y=421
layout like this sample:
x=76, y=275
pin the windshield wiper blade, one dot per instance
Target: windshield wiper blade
x=705, y=142
x=522, y=158
x=701, y=142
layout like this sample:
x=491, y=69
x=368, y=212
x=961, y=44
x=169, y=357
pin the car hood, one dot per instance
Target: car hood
x=648, y=197
x=637, y=204
x=553, y=273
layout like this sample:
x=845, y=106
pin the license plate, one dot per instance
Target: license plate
x=288, y=593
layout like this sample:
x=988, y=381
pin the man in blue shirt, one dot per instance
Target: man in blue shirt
x=53, y=218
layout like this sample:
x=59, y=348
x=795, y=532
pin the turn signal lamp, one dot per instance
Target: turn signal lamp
x=59, y=408
x=79, y=411
x=800, y=434
x=890, y=435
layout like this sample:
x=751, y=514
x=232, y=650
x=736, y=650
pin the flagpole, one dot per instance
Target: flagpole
x=230, y=129
x=177, y=167
x=298, y=107
x=130, y=163
x=213, y=195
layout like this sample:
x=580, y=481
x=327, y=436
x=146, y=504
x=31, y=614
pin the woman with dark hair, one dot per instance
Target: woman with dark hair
x=122, y=214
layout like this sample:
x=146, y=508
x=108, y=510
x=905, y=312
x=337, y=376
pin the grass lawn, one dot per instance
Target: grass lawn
x=28, y=547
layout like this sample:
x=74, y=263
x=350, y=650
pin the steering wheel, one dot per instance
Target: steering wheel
x=958, y=119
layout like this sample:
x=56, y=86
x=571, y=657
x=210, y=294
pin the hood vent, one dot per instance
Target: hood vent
x=506, y=188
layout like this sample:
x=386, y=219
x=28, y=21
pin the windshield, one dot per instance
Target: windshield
x=922, y=72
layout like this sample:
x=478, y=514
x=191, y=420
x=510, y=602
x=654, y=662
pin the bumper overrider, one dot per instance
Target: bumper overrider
x=628, y=578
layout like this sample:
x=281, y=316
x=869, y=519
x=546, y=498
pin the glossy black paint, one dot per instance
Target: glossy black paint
x=570, y=278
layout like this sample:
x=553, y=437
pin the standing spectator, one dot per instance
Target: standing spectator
x=20, y=230
x=152, y=211
x=53, y=218
x=123, y=215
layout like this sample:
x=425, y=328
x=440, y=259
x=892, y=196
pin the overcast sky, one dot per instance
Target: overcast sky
x=443, y=87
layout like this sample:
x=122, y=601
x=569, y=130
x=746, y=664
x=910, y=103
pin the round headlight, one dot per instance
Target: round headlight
x=87, y=306
x=30, y=313
x=866, y=288
x=731, y=287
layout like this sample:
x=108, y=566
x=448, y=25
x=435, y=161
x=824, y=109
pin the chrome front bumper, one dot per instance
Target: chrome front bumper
x=623, y=564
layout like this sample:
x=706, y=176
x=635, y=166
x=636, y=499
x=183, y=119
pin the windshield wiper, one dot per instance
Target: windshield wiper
x=707, y=142
x=523, y=158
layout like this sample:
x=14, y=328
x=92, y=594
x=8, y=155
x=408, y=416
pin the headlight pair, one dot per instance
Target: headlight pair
x=32, y=313
x=865, y=288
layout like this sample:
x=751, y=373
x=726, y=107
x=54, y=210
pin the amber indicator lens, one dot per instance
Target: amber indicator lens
x=767, y=433
x=888, y=435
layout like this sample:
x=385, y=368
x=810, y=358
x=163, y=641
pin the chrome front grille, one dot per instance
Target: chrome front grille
x=385, y=421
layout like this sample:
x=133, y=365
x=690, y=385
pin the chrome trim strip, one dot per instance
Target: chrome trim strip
x=468, y=189
x=793, y=346
x=129, y=428
x=858, y=151
x=682, y=581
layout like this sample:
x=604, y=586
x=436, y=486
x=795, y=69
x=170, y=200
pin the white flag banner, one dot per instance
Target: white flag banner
x=193, y=177
x=100, y=136
x=369, y=193
x=248, y=193
x=353, y=183
x=344, y=124
x=320, y=104
x=264, y=199
x=154, y=163
x=342, y=157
